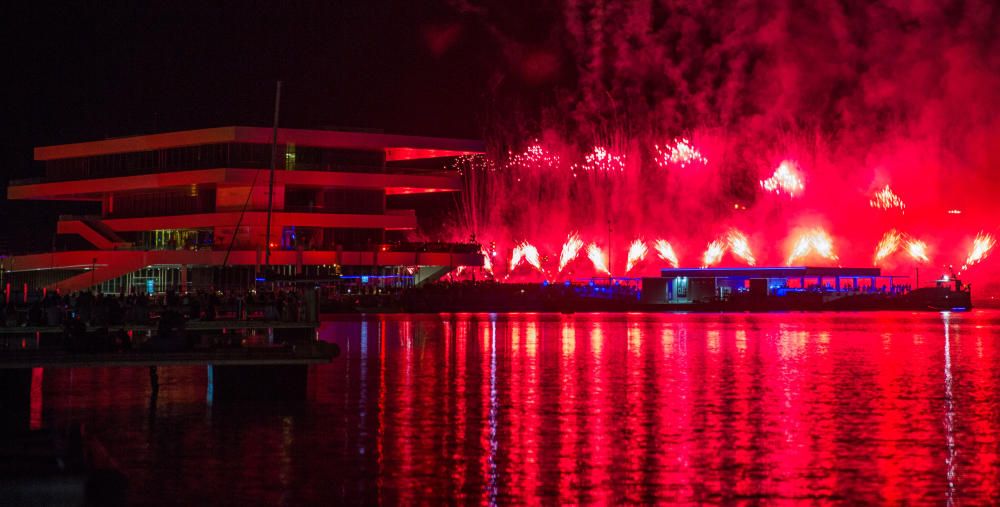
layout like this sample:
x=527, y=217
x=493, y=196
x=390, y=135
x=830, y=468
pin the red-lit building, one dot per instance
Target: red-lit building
x=189, y=209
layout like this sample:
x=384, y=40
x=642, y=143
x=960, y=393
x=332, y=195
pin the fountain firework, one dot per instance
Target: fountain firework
x=740, y=246
x=596, y=257
x=713, y=253
x=666, y=252
x=814, y=241
x=570, y=250
x=636, y=253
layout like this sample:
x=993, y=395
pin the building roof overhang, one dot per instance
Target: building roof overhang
x=396, y=147
x=769, y=272
x=93, y=189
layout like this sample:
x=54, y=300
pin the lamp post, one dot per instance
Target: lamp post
x=610, y=276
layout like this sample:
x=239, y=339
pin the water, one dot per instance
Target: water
x=867, y=407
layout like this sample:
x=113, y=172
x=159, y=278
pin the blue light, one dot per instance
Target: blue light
x=364, y=279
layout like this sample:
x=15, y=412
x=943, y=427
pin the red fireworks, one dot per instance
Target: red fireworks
x=812, y=242
x=598, y=259
x=886, y=199
x=681, y=153
x=636, y=253
x=785, y=180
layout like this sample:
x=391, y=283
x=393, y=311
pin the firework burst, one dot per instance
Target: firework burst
x=534, y=156
x=602, y=160
x=740, y=246
x=525, y=252
x=570, y=250
x=886, y=199
x=681, y=153
x=597, y=257
x=917, y=250
x=636, y=253
x=785, y=180
x=713, y=253
x=814, y=241
x=666, y=252
x=981, y=247
x=887, y=245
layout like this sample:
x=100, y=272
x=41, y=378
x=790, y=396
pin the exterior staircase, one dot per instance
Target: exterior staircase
x=93, y=230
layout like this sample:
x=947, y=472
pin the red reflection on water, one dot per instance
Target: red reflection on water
x=682, y=408
x=588, y=408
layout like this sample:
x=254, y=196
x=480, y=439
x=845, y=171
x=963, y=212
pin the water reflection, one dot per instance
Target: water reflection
x=949, y=410
x=494, y=409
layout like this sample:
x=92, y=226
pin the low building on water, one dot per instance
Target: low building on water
x=697, y=285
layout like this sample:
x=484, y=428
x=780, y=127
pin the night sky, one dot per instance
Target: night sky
x=79, y=72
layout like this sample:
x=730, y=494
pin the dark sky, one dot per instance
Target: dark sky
x=85, y=71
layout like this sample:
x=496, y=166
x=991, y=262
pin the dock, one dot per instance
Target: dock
x=245, y=359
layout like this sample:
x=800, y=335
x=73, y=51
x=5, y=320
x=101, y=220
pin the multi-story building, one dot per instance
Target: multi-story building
x=189, y=209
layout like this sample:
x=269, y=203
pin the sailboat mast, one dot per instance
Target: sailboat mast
x=270, y=184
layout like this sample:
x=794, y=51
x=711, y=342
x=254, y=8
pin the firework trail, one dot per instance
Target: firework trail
x=666, y=252
x=887, y=245
x=981, y=247
x=636, y=253
x=886, y=199
x=786, y=179
x=570, y=250
x=681, y=153
x=713, y=254
x=815, y=241
x=596, y=256
x=740, y=246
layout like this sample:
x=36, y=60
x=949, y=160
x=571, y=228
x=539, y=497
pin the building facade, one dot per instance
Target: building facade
x=189, y=209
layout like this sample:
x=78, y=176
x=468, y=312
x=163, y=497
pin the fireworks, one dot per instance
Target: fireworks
x=917, y=250
x=740, y=246
x=981, y=247
x=815, y=241
x=602, y=160
x=596, y=256
x=887, y=245
x=570, y=250
x=785, y=179
x=636, y=253
x=682, y=153
x=893, y=241
x=666, y=252
x=713, y=254
x=525, y=252
x=534, y=156
x=487, y=261
x=886, y=199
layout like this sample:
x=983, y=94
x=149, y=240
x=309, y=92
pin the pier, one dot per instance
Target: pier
x=246, y=359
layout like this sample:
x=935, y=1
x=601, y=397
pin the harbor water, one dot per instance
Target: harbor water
x=881, y=407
